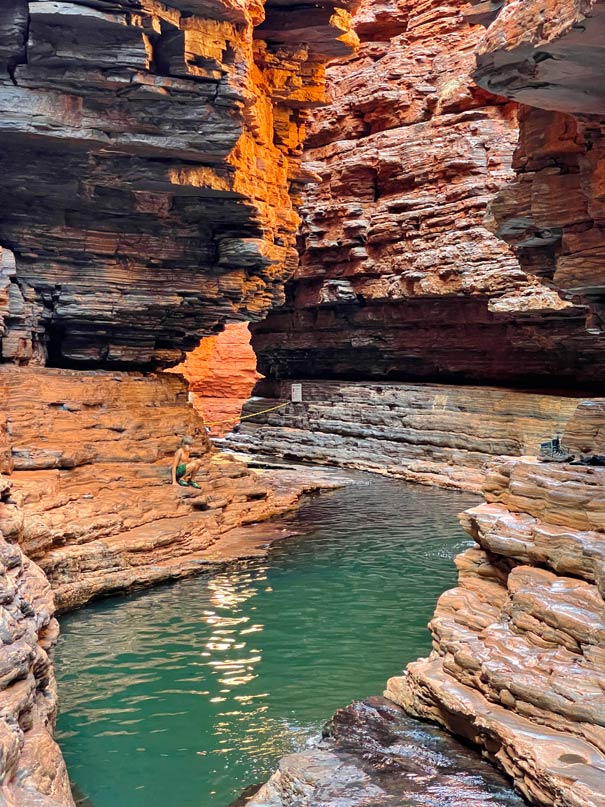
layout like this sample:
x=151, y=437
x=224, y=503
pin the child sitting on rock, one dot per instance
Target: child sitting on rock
x=184, y=469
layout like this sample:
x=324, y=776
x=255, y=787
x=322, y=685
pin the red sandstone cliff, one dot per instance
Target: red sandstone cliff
x=519, y=647
x=398, y=276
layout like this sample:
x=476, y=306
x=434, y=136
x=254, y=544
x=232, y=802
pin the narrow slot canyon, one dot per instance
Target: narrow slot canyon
x=302, y=403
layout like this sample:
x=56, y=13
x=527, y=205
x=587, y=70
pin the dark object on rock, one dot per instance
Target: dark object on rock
x=5, y=489
x=553, y=451
x=373, y=754
x=246, y=796
x=590, y=459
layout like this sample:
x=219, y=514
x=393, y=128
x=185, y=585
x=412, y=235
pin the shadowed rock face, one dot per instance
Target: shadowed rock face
x=147, y=154
x=372, y=754
x=399, y=279
x=430, y=433
x=550, y=55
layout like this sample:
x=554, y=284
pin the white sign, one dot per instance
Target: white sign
x=296, y=393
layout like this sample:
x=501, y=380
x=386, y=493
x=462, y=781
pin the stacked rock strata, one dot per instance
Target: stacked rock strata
x=519, y=648
x=399, y=278
x=553, y=212
x=32, y=770
x=430, y=433
x=148, y=153
x=91, y=500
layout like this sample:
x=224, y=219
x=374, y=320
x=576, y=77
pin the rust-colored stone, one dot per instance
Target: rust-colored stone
x=221, y=373
x=91, y=497
x=399, y=278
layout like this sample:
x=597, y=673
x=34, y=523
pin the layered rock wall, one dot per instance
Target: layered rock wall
x=32, y=771
x=518, y=660
x=91, y=499
x=399, y=278
x=553, y=212
x=519, y=647
x=150, y=156
x=148, y=151
x=429, y=433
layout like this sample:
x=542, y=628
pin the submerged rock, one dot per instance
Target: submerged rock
x=372, y=753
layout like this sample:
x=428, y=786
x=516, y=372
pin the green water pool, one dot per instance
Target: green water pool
x=184, y=695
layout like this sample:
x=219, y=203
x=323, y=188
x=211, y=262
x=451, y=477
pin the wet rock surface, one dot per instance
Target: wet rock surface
x=372, y=753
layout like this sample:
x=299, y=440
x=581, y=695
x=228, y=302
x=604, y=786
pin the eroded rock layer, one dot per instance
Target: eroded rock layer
x=553, y=212
x=147, y=152
x=429, y=433
x=221, y=373
x=519, y=649
x=399, y=278
x=91, y=500
x=32, y=771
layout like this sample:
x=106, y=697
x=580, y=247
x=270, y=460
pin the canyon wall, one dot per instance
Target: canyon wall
x=554, y=210
x=518, y=661
x=401, y=281
x=399, y=278
x=148, y=154
x=518, y=657
x=32, y=771
x=435, y=434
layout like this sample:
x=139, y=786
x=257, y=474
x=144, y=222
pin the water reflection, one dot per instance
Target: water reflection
x=186, y=694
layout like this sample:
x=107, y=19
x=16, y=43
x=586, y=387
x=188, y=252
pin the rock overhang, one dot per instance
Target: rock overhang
x=149, y=152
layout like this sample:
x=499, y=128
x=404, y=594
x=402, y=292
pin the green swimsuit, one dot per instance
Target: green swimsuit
x=180, y=470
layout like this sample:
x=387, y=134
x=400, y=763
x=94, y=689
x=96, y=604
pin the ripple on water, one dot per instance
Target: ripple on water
x=188, y=693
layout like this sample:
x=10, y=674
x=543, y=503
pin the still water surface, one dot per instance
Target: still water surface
x=184, y=695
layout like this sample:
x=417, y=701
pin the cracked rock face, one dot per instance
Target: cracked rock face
x=372, y=754
x=398, y=277
x=549, y=55
x=147, y=154
x=32, y=771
